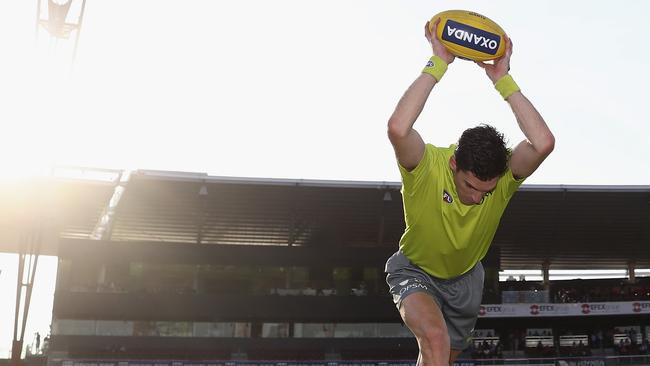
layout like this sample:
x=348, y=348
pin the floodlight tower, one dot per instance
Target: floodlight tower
x=62, y=20
x=30, y=243
x=31, y=224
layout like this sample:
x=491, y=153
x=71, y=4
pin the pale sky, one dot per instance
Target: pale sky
x=303, y=89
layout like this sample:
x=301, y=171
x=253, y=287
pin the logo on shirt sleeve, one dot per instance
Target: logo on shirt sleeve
x=447, y=197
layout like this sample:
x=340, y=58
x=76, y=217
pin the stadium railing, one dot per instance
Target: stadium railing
x=558, y=361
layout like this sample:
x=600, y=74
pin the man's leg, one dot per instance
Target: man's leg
x=454, y=355
x=423, y=317
x=461, y=311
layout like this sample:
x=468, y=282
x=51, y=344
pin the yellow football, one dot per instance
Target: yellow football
x=469, y=35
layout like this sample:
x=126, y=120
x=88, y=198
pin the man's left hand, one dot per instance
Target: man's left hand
x=501, y=65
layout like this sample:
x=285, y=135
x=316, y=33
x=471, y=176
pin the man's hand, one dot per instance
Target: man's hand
x=437, y=46
x=501, y=66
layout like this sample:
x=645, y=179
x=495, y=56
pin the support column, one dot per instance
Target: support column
x=631, y=267
x=101, y=277
x=104, y=227
x=546, y=265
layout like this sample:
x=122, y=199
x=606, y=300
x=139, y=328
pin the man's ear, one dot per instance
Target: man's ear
x=452, y=162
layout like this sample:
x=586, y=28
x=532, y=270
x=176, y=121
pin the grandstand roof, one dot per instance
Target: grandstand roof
x=569, y=226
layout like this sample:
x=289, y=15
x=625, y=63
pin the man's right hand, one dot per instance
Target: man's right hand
x=438, y=48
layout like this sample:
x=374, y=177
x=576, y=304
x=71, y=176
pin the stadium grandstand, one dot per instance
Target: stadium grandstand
x=171, y=268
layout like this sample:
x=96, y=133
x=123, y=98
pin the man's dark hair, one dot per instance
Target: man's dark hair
x=482, y=151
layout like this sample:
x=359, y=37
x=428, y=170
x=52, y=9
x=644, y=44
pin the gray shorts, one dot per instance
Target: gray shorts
x=458, y=298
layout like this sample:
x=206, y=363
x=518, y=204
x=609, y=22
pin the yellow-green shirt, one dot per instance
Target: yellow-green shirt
x=443, y=236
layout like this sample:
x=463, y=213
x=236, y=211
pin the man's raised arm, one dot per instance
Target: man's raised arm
x=408, y=145
x=540, y=142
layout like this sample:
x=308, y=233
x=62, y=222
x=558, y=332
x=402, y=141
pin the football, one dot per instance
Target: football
x=469, y=35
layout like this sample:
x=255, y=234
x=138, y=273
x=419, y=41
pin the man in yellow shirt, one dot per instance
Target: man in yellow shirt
x=453, y=201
